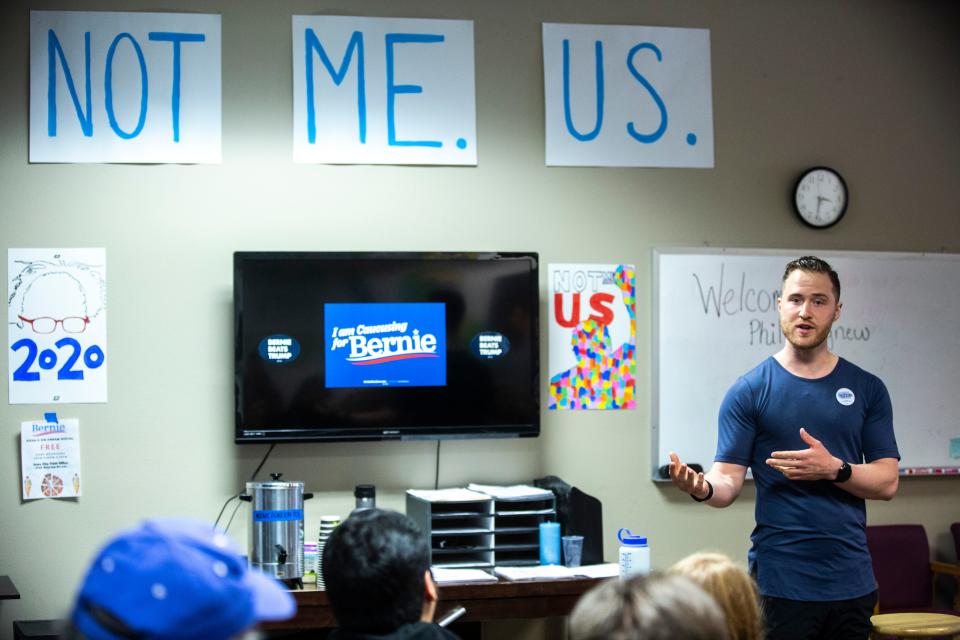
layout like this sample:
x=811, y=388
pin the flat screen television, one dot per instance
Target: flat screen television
x=383, y=346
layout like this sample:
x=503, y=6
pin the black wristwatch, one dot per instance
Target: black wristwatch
x=844, y=473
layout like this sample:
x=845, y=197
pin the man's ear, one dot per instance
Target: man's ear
x=429, y=587
x=429, y=597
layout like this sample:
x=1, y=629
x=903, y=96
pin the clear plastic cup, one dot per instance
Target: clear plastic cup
x=572, y=550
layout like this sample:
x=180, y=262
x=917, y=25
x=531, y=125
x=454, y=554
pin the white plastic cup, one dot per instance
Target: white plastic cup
x=634, y=554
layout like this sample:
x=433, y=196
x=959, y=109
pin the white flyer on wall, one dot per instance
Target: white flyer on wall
x=50, y=458
x=57, y=325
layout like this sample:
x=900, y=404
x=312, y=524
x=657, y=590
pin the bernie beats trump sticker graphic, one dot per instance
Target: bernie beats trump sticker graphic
x=845, y=397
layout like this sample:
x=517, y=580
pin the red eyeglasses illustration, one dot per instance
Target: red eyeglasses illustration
x=72, y=324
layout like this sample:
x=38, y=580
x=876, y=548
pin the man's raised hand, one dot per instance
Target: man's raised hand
x=686, y=479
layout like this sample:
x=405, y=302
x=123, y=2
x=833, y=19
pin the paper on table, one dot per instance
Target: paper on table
x=558, y=572
x=448, y=495
x=445, y=575
x=539, y=572
x=515, y=491
x=609, y=570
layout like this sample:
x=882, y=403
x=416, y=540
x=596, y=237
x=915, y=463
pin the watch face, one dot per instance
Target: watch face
x=844, y=472
x=820, y=197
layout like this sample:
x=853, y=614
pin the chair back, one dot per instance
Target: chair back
x=901, y=564
x=955, y=530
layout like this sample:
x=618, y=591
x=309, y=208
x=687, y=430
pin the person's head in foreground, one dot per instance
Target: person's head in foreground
x=658, y=607
x=376, y=567
x=732, y=588
x=171, y=579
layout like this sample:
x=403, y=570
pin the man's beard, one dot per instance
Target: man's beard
x=810, y=342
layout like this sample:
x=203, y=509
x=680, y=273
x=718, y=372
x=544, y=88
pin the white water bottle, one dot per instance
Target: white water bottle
x=634, y=554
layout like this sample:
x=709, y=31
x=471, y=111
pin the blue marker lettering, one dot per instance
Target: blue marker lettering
x=651, y=137
x=311, y=44
x=393, y=89
x=108, y=87
x=598, y=57
x=176, y=39
x=85, y=117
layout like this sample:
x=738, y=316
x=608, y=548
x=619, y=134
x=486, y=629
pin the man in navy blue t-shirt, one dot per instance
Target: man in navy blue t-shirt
x=817, y=432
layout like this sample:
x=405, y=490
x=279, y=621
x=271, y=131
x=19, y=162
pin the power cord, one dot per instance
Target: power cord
x=237, y=496
x=436, y=478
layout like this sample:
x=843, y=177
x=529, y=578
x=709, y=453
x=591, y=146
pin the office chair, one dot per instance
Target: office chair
x=904, y=572
x=955, y=530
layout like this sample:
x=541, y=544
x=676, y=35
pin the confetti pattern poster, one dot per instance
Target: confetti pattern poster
x=593, y=330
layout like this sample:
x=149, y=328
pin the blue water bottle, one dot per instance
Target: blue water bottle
x=549, y=543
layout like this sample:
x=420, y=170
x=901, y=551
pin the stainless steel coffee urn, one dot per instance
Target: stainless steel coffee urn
x=276, y=528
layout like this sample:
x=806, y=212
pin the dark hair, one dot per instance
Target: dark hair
x=373, y=567
x=813, y=264
x=658, y=607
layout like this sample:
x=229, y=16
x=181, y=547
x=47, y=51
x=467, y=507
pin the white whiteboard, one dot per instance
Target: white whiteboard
x=715, y=318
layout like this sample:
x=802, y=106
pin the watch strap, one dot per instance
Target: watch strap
x=709, y=493
x=844, y=472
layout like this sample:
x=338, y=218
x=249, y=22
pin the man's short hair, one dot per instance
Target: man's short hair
x=374, y=567
x=658, y=607
x=813, y=264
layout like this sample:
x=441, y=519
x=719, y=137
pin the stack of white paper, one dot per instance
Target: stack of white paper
x=558, y=572
x=444, y=575
x=512, y=492
x=539, y=572
x=609, y=570
x=448, y=495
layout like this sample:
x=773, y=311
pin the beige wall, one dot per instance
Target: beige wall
x=867, y=86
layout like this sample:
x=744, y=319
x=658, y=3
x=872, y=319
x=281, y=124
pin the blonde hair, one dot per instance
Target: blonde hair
x=732, y=588
x=658, y=607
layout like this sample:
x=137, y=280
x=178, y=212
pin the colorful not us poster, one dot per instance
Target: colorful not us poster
x=593, y=333
x=50, y=458
x=57, y=325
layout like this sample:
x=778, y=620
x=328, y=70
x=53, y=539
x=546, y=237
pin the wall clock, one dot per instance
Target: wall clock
x=820, y=197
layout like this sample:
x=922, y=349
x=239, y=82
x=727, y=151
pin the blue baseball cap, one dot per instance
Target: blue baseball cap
x=176, y=579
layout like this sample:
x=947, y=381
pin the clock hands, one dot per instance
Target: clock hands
x=820, y=201
x=811, y=187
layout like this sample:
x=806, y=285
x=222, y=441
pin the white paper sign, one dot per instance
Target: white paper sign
x=383, y=91
x=627, y=96
x=124, y=87
x=57, y=325
x=50, y=458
